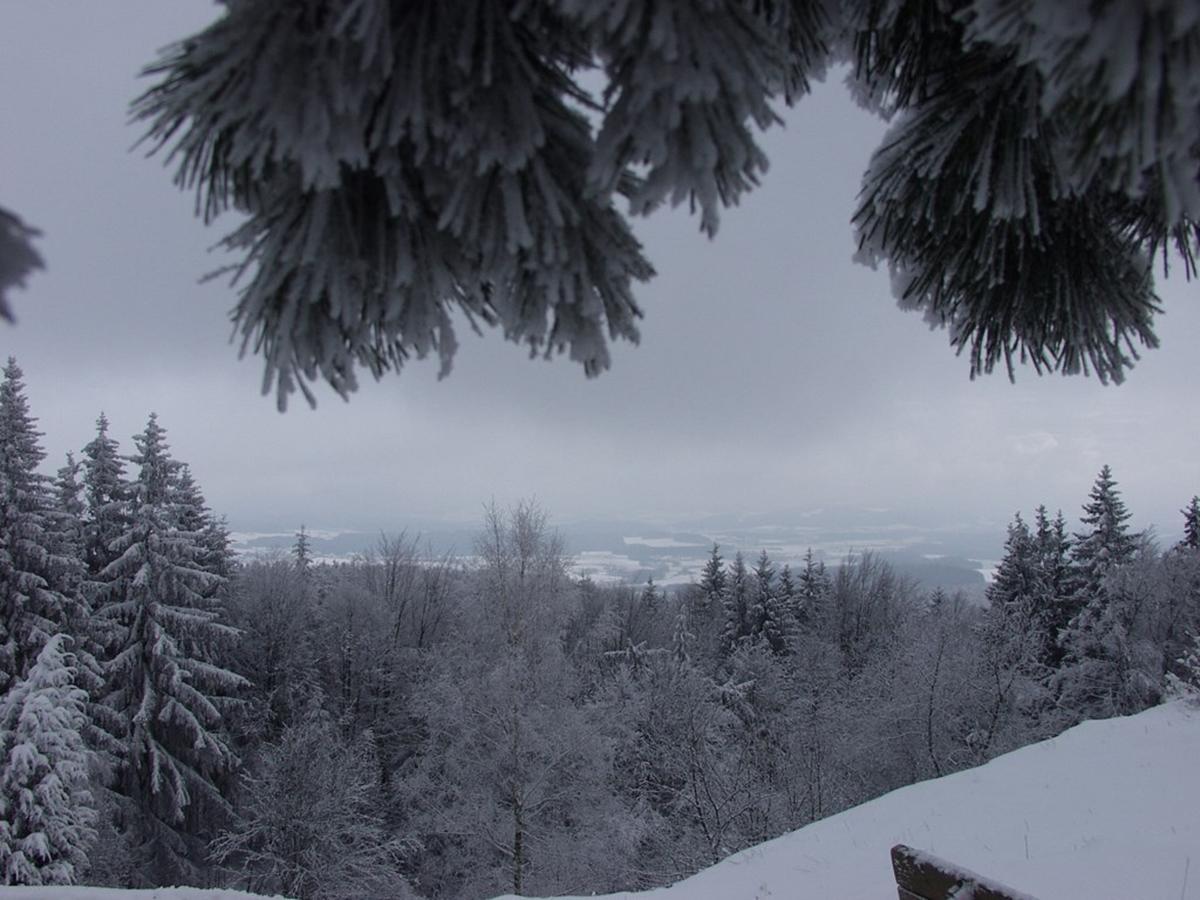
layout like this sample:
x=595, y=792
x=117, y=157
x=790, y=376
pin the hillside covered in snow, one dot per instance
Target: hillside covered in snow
x=1109, y=809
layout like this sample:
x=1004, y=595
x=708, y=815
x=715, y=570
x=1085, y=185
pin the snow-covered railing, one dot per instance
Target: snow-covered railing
x=923, y=876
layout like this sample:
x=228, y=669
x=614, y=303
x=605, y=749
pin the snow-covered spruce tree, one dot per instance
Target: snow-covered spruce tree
x=812, y=590
x=38, y=583
x=736, y=601
x=1100, y=673
x=106, y=493
x=46, y=807
x=68, y=540
x=396, y=163
x=163, y=677
x=194, y=516
x=1106, y=544
x=301, y=551
x=771, y=615
x=1016, y=576
x=706, y=608
x=69, y=506
x=1191, y=525
x=1021, y=598
x=1055, y=574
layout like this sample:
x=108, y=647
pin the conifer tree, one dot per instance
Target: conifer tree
x=1055, y=604
x=1107, y=544
x=1020, y=628
x=68, y=539
x=737, y=600
x=69, y=506
x=194, y=517
x=712, y=580
x=787, y=588
x=38, y=584
x=1098, y=677
x=46, y=808
x=1015, y=592
x=1191, y=525
x=220, y=558
x=812, y=591
x=771, y=615
x=651, y=599
x=107, y=502
x=706, y=608
x=764, y=587
x=1016, y=577
x=301, y=550
x=191, y=513
x=164, y=679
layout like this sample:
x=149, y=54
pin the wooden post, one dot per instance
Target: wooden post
x=923, y=876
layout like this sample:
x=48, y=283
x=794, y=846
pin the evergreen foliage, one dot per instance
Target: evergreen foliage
x=164, y=678
x=1107, y=544
x=811, y=591
x=69, y=507
x=1023, y=595
x=1191, y=525
x=38, y=583
x=301, y=550
x=1056, y=604
x=18, y=258
x=394, y=166
x=46, y=807
x=736, y=602
x=1101, y=673
x=106, y=494
x=712, y=578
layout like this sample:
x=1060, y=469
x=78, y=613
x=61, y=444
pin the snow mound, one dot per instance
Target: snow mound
x=1108, y=809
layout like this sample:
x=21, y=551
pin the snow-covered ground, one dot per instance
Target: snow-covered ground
x=1109, y=810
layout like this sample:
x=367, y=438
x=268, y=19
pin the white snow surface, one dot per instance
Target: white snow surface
x=1109, y=810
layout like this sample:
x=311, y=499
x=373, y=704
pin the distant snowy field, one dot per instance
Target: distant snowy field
x=1109, y=810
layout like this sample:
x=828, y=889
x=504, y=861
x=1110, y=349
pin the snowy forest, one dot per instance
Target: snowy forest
x=407, y=726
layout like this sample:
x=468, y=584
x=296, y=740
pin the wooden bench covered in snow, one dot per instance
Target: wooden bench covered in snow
x=923, y=876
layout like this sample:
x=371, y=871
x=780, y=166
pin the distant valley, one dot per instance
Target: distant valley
x=952, y=557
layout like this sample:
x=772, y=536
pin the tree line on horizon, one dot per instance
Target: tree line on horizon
x=404, y=725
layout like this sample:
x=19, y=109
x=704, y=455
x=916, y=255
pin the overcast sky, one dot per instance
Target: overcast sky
x=774, y=375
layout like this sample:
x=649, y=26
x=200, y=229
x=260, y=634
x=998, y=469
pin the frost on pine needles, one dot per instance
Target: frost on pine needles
x=401, y=166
